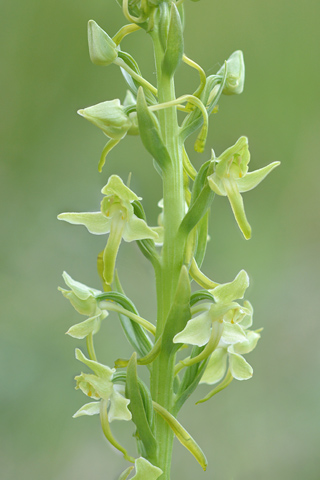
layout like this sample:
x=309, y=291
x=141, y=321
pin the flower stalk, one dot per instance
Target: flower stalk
x=209, y=328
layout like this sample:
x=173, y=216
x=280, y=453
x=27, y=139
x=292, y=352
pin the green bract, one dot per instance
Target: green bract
x=115, y=217
x=100, y=386
x=83, y=300
x=102, y=49
x=231, y=177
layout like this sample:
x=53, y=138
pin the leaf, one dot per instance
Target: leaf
x=137, y=409
x=182, y=435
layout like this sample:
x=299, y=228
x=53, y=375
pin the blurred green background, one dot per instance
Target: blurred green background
x=257, y=430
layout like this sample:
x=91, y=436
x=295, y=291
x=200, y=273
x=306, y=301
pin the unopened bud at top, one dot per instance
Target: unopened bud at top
x=235, y=74
x=102, y=49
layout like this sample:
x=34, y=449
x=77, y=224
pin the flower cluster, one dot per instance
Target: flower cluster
x=117, y=218
x=229, y=322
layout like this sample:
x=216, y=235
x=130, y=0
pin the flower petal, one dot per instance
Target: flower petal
x=228, y=292
x=196, y=332
x=101, y=370
x=246, y=320
x=252, y=179
x=118, y=407
x=137, y=229
x=85, y=307
x=94, y=386
x=95, y=222
x=83, y=329
x=249, y=344
x=239, y=367
x=233, y=333
x=145, y=470
x=216, y=185
x=92, y=408
x=216, y=367
x=115, y=186
x=80, y=289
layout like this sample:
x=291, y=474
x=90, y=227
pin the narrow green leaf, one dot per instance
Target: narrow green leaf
x=137, y=409
x=174, y=51
x=150, y=132
x=182, y=435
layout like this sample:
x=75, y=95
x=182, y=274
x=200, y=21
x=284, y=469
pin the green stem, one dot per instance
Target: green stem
x=172, y=257
x=90, y=347
x=112, y=307
x=136, y=76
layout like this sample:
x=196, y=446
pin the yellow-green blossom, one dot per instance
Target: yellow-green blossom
x=231, y=178
x=117, y=218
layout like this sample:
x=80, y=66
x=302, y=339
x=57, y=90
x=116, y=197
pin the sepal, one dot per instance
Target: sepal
x=110, y=117
x=92, y=408
x=145, y=470
x=235, y=74
x=228, y=292
x=83, y=329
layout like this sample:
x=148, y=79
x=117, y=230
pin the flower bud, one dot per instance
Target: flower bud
x=102, y=49
x=235, y=74
x=174, y=51
x=109, y=117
